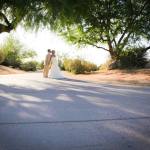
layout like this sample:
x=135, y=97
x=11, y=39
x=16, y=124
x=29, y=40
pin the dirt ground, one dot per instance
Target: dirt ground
x=6, y=70
x=141, y=76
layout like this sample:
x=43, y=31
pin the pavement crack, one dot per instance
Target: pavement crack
x=72, y=121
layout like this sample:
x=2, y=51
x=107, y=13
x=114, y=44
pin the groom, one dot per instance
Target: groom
x=47, y=63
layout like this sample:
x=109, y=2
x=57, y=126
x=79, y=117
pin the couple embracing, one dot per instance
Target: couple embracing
x=51, y=68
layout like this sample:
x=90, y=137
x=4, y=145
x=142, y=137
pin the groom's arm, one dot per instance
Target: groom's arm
x=50, y=60
x=46, y=60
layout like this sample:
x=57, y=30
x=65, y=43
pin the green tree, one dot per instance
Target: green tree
x=117, y=23
x=13, y=53
x=30, y=13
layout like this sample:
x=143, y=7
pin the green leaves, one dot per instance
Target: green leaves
x=82, y=21
x=13, y=53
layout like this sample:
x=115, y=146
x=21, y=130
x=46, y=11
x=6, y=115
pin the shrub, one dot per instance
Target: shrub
x=106, y=65
x=133, y=58
x=11, y=49
x=40, y=65
x=29, y=66
x=130, y=58
x=12, y=59
x=78, y=66
x=15, y=53
x=61, y=64
x=2, y=56
x=88, y=67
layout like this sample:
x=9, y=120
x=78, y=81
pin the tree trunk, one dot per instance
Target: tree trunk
x=7, y=27
x=111, y=51
x=4, y=28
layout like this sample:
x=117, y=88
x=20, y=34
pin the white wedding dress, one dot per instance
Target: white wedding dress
x=55, y=71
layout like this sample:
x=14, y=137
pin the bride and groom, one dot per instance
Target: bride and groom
x=51, y=68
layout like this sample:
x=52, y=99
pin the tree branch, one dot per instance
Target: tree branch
x=97, y=46
x=126, y=40
x=131, y=23
x=101, y=38
x=114, y=42
x=147, y=48
x=5, y=28
x=5, y=19
x=122, y=37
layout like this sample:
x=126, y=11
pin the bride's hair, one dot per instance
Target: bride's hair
x=53, y=52
x=49, y=50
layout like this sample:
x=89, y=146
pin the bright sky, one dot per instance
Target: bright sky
x=43, y=39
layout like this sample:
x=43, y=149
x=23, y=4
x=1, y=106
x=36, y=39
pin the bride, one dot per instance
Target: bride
x=55, y=71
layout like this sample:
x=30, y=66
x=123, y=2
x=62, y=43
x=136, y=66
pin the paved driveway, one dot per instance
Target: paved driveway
x=46, y=114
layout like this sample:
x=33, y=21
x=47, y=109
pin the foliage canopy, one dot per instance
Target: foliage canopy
x=117, y=23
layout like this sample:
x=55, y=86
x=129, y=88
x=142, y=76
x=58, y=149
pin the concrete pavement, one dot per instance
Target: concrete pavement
x=46, y=114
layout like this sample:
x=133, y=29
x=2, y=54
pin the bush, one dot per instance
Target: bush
x=2, y=56
x=133, y=58
x=12, y=49
x=15, y=53
x=78, y=66
x=12, y=59
x=40, y=65
x=105, y=65
x=61, y=64
x=29, y=66
x=128, y=59
x=88, y=67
